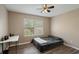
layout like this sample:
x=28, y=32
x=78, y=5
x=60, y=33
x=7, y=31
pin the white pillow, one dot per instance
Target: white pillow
x=39, y=40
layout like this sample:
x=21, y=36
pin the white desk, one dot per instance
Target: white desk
x=11, y=39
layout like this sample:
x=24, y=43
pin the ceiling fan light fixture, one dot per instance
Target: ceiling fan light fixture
x=46, y=8
x=45, y=11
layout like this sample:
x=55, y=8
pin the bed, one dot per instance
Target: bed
x=46, y=43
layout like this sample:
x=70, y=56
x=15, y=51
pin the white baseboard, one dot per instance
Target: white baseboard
x=71, y=46
x=20, y=44
x=24, y=43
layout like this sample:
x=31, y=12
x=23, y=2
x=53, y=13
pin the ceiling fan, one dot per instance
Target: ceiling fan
x=46, y=8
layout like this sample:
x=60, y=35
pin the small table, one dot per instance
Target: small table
x=11, y=39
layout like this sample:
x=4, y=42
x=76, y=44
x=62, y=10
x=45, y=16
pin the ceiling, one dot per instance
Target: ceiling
x=34, y=9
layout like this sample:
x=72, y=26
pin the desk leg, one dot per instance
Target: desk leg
x=8, y=47
x=4, y=51
x=16, y=47
x=2, y=48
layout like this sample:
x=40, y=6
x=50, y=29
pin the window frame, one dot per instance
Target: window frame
x=41, y=26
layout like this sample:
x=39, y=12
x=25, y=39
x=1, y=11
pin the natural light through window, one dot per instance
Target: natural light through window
x=33, y=27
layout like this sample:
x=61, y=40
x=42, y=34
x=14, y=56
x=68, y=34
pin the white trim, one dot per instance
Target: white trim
x=24, y=43
x=20, y=44
x=71, y=46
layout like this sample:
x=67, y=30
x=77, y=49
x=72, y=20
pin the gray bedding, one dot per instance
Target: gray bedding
x=51, y=43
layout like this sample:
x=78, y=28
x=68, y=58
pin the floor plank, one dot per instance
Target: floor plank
x=31, y=49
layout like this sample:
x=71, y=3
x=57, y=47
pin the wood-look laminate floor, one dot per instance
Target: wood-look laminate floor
x=31, y=49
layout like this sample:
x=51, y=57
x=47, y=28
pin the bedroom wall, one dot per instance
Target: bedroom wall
x=16, y=25
x=3, y=22
x=66, y=26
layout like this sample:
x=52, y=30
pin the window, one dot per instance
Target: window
x=33, y=27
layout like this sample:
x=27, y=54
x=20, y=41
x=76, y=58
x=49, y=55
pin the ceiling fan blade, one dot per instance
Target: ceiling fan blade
x=45, y=11
x=50, y=7
x=48, y=11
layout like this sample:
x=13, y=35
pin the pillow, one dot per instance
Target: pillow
x=39, y=40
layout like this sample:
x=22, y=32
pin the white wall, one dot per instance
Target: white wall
x=16, y=25
x=66, y=26
x=3, y=22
